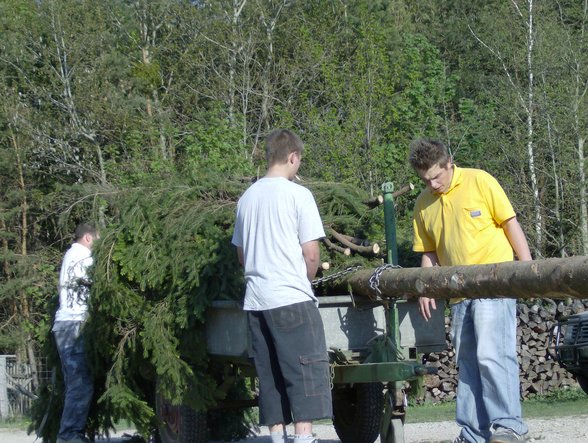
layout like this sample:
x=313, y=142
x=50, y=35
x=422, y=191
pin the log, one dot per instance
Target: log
x=356, y=240
x=403, y=190
x=547, y=278
x=371, y=249
x=377, y=201
x=329, y=244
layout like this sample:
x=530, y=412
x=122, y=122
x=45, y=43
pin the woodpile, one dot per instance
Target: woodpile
x=539, y=372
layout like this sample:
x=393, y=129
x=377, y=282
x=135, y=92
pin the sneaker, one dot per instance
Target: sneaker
x=506, y=435
x=460, y=439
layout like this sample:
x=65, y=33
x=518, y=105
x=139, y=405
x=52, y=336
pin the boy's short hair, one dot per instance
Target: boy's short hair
x=279, y=144
x=426, y=153
x=85, y=228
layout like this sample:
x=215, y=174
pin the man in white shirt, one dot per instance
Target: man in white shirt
x=74, y=289
x=277, y=229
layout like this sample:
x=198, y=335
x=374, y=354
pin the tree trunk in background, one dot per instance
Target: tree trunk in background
x=581, y=87
x=238, y=6
x=149, y=28
x=530, y=138
x=526, y=99
x=22, y=306
x=65, y=74
x=583, y=204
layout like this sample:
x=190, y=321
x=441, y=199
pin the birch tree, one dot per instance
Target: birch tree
x=525, y=97
x=577, y=43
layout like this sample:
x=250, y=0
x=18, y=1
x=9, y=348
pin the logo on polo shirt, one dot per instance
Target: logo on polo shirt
x=476, y=213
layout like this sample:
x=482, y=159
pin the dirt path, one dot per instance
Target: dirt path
x=572, y=429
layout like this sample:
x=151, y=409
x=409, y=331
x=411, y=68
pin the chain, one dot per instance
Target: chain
x=332, y=375
x=335, y=275
x=375, y=278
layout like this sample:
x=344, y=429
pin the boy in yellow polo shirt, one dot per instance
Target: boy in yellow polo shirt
x=463, y=217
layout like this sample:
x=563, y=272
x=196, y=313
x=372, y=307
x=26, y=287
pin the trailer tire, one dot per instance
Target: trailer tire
x=357, y=412
x=179, y=423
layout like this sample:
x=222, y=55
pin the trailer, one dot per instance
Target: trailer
x=374, y=346
x=373, y=349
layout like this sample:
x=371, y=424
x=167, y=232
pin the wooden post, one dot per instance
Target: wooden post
x=4, y=405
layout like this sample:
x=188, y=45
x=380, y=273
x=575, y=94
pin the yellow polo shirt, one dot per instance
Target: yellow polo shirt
x=463, y=225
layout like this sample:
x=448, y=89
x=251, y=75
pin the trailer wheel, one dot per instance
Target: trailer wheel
x=357, y=412
x=179, y=423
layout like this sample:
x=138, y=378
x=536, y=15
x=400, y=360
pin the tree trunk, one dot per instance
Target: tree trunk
x=22, y=301
x=548, y=278
x=530, y=135
x=581, y=87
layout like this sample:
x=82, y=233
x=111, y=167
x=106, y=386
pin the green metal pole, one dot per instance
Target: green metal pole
x=392, y=256
x=394, y=406
x=390, y=223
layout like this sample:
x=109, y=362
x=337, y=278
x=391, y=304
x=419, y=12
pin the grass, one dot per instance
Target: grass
x=571, y=401
x=23, y=423
x=14, y=423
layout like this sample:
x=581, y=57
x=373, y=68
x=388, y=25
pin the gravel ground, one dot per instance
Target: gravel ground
x=572, y=429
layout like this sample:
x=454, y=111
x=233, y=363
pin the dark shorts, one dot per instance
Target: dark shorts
x=292, y=364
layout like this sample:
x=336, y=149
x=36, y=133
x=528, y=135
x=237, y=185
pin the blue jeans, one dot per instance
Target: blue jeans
x=483, y=333
x=78, y=381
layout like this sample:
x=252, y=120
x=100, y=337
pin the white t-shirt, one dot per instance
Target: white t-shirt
x=73, y=296
x=274, y=218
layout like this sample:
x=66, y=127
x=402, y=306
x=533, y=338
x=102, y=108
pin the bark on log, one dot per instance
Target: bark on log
x=548, y=278
x=403, y=190
x=329, y=244
x=377, y=201
x=372, y=249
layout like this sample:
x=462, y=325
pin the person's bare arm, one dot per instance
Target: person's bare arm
x=312, y=255
x=240, y=255
x=517, y=239
x=428, y=260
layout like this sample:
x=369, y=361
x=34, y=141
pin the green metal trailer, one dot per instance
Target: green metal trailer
x=373, y=348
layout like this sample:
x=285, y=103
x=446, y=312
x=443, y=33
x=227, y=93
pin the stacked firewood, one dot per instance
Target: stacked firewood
x=539, y=372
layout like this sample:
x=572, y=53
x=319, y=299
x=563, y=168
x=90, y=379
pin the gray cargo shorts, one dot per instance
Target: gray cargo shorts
x=290, y=354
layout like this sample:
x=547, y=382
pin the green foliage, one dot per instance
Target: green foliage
x=212, y=144
x=144, y=115
x=559, y=396
x=157, y=269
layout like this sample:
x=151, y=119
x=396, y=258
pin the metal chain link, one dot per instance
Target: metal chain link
x=335, y=275
x=332, y=376
x=375, y=278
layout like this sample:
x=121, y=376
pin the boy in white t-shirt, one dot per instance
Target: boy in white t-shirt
x=74, y=289
x=277, y=229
